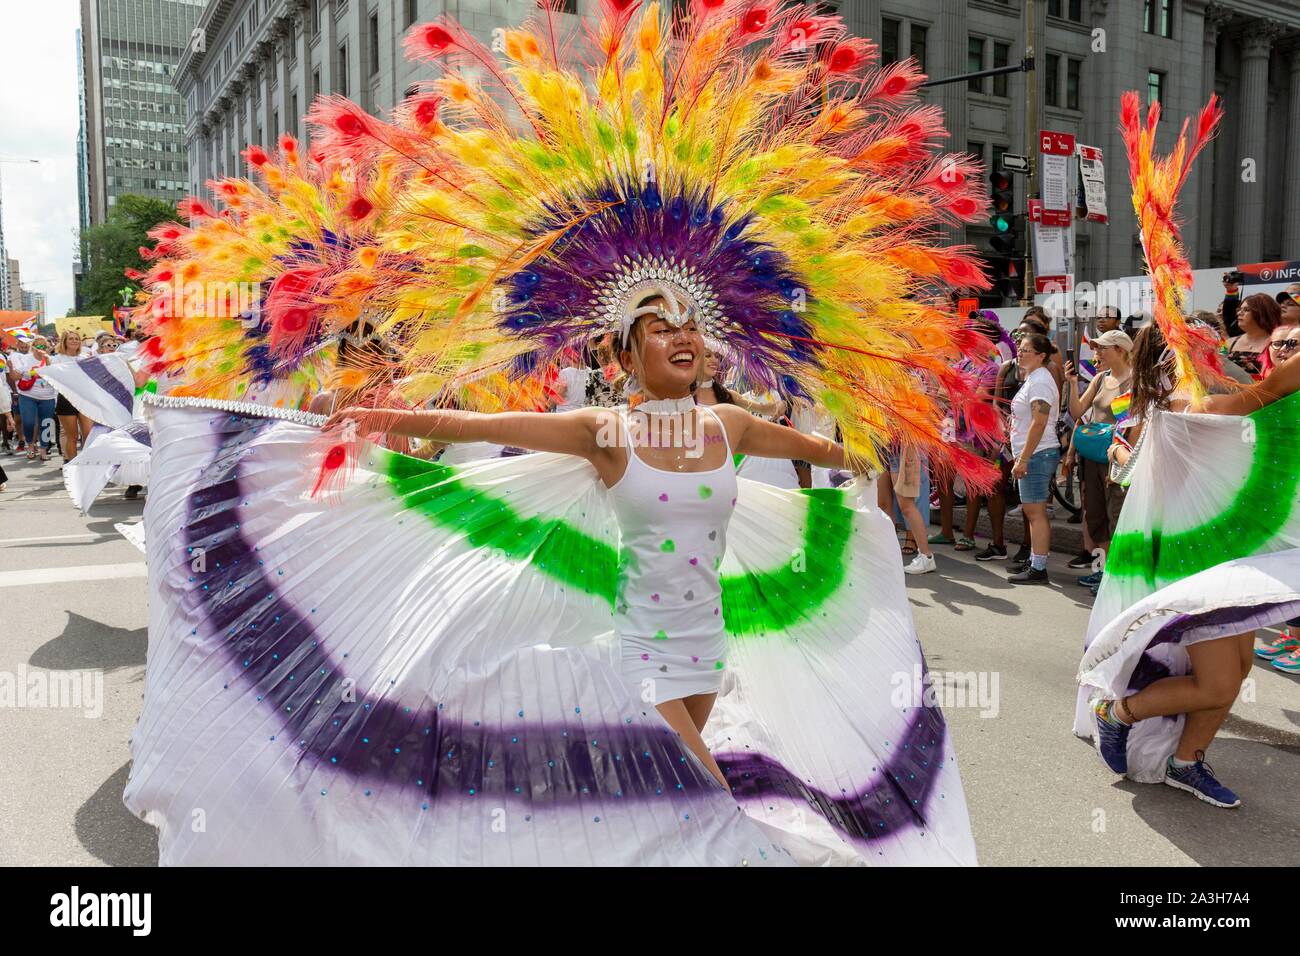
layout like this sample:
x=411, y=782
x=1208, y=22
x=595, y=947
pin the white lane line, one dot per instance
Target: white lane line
x=52, y=537
x=91, y=572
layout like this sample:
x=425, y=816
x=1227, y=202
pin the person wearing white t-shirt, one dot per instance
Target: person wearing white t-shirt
x=1035, y=448
x=573, y=388
x=35, y=397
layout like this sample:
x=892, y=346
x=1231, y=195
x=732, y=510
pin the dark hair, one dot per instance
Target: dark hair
x=1037, y=315
x=1039, y=343
x=1264, y=310
x=1150, y=387
x=722, y=395
x=992, y=330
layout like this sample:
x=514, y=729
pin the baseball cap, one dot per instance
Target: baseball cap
x=1290, y=292
x=1112, y=339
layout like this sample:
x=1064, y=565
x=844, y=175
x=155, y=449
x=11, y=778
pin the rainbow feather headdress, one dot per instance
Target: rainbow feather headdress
x=1156, y=184
x=752, y=156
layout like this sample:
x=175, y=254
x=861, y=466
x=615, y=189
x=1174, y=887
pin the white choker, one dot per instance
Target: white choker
x=708, y=384
x=666, y=406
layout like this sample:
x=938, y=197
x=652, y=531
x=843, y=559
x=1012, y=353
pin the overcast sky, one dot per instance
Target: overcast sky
x=38, y=120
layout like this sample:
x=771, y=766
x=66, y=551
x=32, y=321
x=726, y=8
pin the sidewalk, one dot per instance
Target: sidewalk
x=1066, y=538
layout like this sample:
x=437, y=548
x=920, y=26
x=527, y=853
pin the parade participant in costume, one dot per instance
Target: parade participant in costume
x=358, y=657
x=75, y=425
x=777, y=472
x=1202, y=555
x=104, y=389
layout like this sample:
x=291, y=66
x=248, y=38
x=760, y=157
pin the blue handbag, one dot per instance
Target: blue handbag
x=1092, y=439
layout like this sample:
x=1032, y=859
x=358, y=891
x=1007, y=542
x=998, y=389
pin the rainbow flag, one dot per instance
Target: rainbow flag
x=1119, y=408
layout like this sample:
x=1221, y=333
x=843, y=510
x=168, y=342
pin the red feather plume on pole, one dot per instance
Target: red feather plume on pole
x=1156, y=183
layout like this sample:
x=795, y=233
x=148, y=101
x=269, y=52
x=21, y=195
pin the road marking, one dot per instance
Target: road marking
x=53, y=537
x=90, y=572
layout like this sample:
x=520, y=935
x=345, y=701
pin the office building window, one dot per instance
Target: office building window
x=1001, y=58
x=315, y=83
x=275, y=125
x=374, y=44
x=1072, y=69
x=889, y=30
x=1158, y=17
x=917, y=36
x=292, y=122
x=976, y=151
x=1066, y=9
x=998, y=152
x=412, y=11
x=342, y=85
x=975, y=63
x=1051, y=80
x=313, y=12
x=1155, y=87
x=571, y=6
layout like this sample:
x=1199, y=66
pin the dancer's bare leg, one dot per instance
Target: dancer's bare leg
x=68, y=436
x=1201, y=726
x=84, y=425
x=1205, y=695
x=699, y=706
x=679, y=719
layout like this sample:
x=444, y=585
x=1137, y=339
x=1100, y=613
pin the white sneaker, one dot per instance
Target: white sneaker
x=921, y=564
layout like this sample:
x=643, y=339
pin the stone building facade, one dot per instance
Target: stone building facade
x=263, y=61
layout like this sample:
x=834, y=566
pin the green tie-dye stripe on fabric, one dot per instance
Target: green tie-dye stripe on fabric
x=755, y=602
x=1263, y=505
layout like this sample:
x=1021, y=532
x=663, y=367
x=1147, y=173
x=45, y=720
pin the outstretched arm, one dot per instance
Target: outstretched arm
x=570, y=433
x=764, y=439
x=1281, y=382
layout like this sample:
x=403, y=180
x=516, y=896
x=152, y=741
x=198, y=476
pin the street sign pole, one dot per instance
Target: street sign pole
x=1031, y=141
x=1015, y=163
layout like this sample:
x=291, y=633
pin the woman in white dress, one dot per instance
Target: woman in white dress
x=673, y=498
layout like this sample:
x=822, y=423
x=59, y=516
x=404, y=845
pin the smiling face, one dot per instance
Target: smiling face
x=710, y=365
x=1284, y=343
x=664, y=357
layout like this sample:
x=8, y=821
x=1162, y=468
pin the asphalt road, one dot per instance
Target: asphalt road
x=73, y=598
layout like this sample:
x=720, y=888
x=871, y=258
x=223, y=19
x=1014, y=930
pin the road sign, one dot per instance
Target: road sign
x=1015, y=163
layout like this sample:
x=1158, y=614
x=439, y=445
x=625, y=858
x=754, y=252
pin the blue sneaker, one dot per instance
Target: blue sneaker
x=1089, y=580
x=1199, y=779
x=1112, y=737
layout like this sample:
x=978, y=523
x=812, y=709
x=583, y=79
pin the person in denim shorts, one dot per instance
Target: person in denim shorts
x=1036, y=450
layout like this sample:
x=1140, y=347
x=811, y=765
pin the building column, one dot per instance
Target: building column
x=947, y=55
x=358, y=17
x=286, y=44
x=269, y=67
x=329, y=38
x=1203, y=172
x=304, y=74
x=1256, y=42
x=1291, y=194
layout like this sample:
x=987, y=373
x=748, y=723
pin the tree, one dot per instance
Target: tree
x=113, y=246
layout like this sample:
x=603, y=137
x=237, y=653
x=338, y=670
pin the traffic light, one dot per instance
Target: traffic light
x=1005, y=266
x=1002, y=199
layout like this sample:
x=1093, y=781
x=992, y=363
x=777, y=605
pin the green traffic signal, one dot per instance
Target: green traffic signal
x=1000, y=223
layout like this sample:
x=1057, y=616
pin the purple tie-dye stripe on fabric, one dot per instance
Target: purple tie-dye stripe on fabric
x=266, y=640
x=1149, y=670
x=98, y=373
x=140, y=432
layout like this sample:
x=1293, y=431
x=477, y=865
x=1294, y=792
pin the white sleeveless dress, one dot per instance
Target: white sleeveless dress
x=668, y=604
